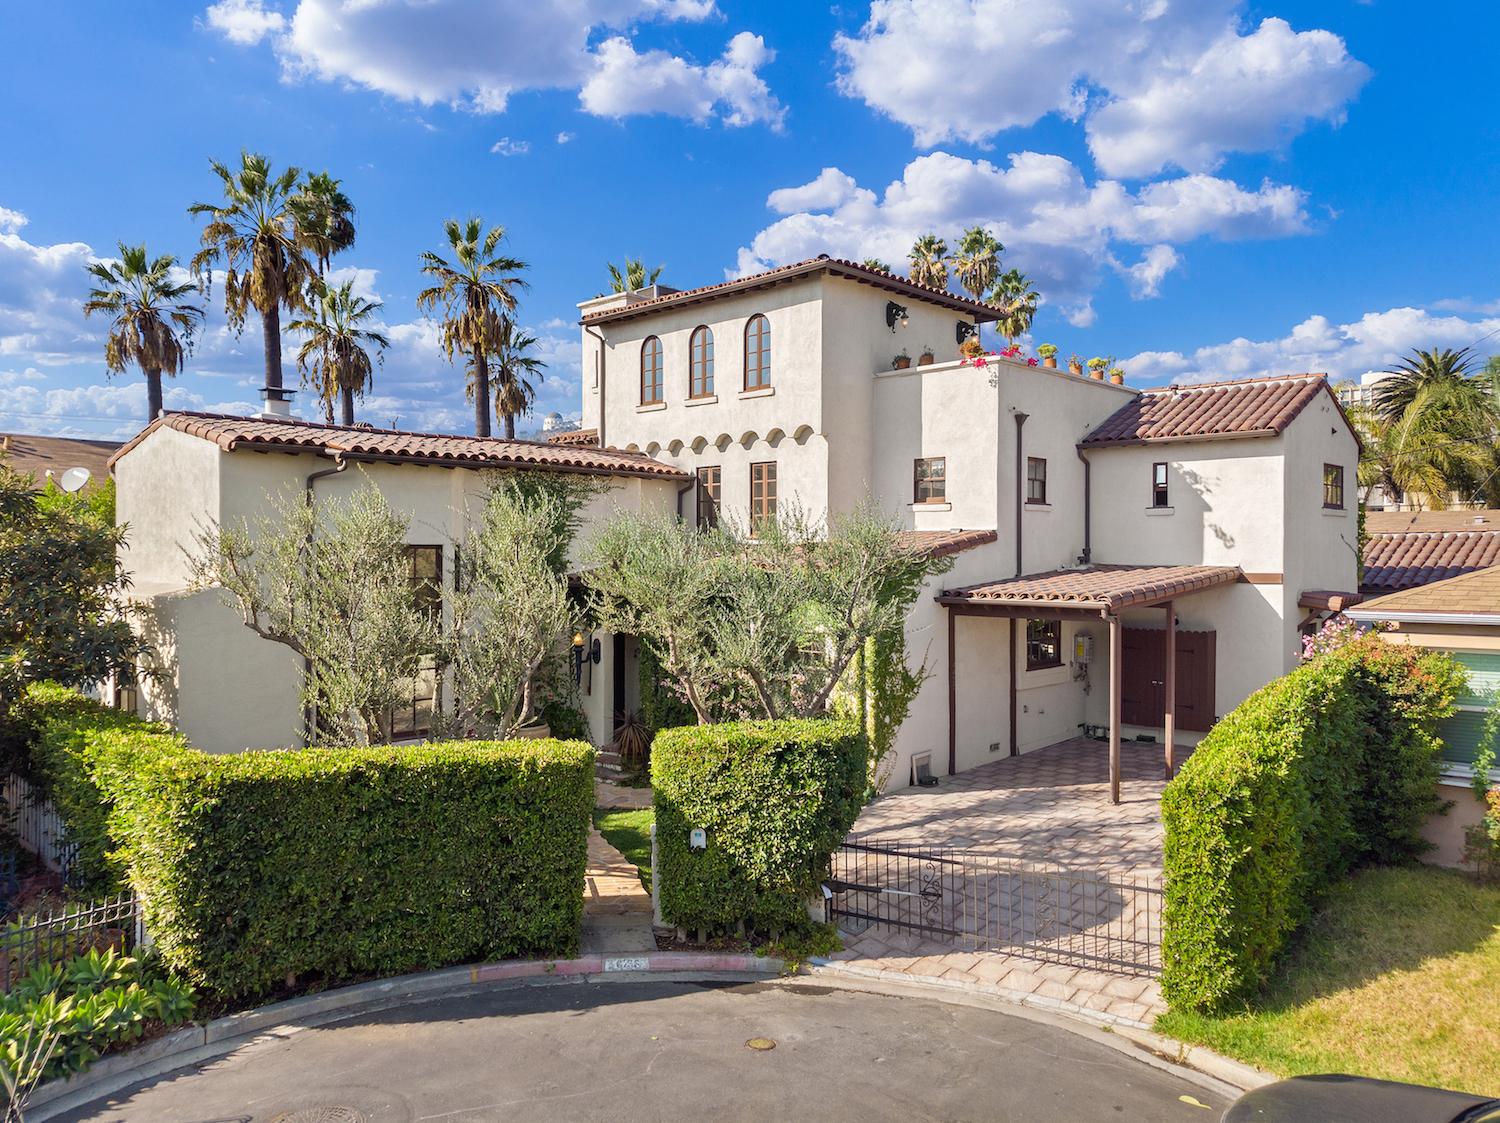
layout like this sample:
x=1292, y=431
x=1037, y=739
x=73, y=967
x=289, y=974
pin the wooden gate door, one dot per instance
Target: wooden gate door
x=1143, y=674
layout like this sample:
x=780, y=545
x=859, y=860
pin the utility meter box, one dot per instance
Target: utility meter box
x=1083, y=648
x=697, y=839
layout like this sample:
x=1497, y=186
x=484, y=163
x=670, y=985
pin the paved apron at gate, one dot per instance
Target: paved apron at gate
x=1045, y=810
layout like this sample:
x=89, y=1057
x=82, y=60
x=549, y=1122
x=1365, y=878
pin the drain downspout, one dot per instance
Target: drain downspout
x=603, y=369
x=1015, y=744
x=309, y=712
x=1087, y=557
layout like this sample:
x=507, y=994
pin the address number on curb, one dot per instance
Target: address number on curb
x=628, y=963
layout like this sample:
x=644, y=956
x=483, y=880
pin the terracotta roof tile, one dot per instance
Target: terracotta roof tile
x=1252, y=407
x=1462, y=518
x=1407, y=560
x=587, y=438
x=36, y=456
x=1105, y=587
x=780, y=275
x=1469, y=594
x=275, y=434
x=941, y=543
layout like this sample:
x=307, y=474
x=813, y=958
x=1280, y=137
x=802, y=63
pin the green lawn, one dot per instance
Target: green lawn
x=629, y=832
x=1398, y=977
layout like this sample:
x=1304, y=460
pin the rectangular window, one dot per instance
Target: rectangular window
x=708, y=496
x=930, y=480
x=1036, y=480
x=1159, y=484
x=1333, y=486
x=1043, y=644
x=414, y=718
x=762, y=493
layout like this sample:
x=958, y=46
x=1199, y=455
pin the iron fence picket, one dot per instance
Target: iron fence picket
x=111, y=922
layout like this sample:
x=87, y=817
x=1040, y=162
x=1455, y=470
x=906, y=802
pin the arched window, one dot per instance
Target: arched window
x=701, y=364
x=651, y=379
x=757, y=353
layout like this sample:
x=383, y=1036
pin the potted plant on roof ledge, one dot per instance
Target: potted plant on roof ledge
x=1117, y=375
x=1048, y=352
x=926, y=358
x=1097, y=367
x=1075, y=364
x=902, y=360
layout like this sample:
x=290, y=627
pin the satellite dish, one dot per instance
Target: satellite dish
x=74, y=479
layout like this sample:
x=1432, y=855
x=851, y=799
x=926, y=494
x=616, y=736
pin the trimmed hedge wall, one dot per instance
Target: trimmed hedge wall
x=776, y=798
x=329, y=863
x=1332, y=766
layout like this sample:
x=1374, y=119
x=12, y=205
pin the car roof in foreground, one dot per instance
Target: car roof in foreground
x=1358, y=1099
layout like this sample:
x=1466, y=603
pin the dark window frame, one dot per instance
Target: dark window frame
x=932, y=487
x=1160, y=491
x=1042, y=637
x=1036, y=481
x=708, y=495
x=427, y=590
x=701, y=363
x=656, y=370
x=762, y=352
x=1333, y=487
x=762, y=505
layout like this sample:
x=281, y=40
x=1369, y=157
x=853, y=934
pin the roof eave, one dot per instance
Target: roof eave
x=1375, y=615
x=1189, y=438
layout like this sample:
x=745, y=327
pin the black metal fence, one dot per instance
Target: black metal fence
x=981, y=902
x=57, y=935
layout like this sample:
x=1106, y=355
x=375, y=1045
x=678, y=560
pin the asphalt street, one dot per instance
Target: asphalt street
x=656, y=1050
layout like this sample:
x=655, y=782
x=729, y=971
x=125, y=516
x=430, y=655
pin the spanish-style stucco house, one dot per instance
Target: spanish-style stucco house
x=1085, y=519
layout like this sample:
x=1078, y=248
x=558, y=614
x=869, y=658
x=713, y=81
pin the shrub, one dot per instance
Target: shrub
x=1332, y=766
x=330, y=863
x=775, y=799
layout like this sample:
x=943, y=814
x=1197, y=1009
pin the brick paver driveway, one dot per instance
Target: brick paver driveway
x=1046, y=808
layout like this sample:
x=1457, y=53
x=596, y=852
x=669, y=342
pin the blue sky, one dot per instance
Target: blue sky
x=1208, y=189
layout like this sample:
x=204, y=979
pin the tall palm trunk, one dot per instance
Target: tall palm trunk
x=347, y=396
x=510, y=426
x=153, y=394
x=481, y=395
x=270, y=330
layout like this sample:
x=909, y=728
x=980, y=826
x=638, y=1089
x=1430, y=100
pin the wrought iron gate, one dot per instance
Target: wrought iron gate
x=980, y=902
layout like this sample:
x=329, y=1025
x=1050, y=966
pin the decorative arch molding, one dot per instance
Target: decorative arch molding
x=652, y=449
x=674, y=447
x=748, y=438
x=699, y=444
x=801, y=434
x=775, y=437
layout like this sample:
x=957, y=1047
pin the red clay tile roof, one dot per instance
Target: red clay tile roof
x=277, y=435
x=1407, y=560
x=588, y=438
x=1108, y=588
x=36, y=456
x=941, y=543
x=1327, y=600
x=1459, y=518
x=823, y=264
x=1253, y=407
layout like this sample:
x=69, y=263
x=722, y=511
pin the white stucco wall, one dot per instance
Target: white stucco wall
x=166, y=488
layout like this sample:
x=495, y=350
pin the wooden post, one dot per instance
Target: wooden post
x=1115, y=645
x=952, y=699
x=1169, y=719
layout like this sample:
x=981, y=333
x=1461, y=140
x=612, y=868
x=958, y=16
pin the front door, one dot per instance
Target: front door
x=1143, y=675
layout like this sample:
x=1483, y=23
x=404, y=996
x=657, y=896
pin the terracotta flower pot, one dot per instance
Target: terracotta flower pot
x=1117, y=379
x=1075, y=368
x=902, y=363
x=1050, y=361
x=926, y=359
x=1097, y=375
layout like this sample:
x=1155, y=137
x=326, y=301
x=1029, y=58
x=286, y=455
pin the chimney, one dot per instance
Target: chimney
x=5, y=442
x=277, y=402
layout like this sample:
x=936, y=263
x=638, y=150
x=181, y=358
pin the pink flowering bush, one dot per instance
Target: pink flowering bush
x=1334, y=634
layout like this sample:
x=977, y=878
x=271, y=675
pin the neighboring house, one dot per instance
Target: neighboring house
x=226, y=688
x=1407, y=549
x=1090, y=514
x=45, y=458
x=1460, y=615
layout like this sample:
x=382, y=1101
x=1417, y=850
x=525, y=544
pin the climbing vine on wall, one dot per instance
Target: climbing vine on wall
x=878, y=692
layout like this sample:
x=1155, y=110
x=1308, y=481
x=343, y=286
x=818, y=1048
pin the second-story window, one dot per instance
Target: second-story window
x=762, y=494
x=1036, y=480
x=930, y=480
x=757, y=353
x=708, y=496
x=1159, y=497
x=651, y=371
x=1333, y=486
x=412, y=717
x=701, y=363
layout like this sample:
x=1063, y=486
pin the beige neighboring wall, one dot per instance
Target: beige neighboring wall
x=166, y=489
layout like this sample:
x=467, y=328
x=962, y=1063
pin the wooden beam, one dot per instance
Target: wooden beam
x=952, y=699
x=1116, y=645
x=1020, y=612
x=1169, y=719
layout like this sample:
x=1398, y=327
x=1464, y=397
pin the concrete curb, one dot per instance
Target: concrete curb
x=1218, y=1073
x=194, y=1044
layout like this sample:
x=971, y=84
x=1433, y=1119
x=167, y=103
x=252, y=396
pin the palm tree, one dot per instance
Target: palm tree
x=253, y=232
x=1449, y=373
x=335, y=353
x=633, y=276
x=977, y=262
x=514, y=367
x=152, y=324
x=475, y=291
x=876, y=263
x=325, y=219
x=929, y=261
x=1018, y=300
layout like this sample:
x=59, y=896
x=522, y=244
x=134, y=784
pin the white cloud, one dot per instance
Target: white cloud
x=11, y=221
x=245, y=22
x=626, y=82
x=1146, y=275
x=564, y=137
x=1317, y=344
x=507, y=147
x=475, y=54
x=1156, y=84
x=1058, y=228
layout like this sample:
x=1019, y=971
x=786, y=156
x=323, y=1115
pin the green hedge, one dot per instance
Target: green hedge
x=775, y=798
x=332, y=863
x=1332, y=766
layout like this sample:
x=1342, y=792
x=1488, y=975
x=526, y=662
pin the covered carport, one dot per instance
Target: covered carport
x=1093, y=593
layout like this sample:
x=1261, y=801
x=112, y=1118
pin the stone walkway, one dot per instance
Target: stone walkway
x=616, y=907
x=1047, y=808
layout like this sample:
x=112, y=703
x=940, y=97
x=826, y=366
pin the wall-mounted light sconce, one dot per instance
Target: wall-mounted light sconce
x=584, y=653
x=894, y=314
x=965, y=330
